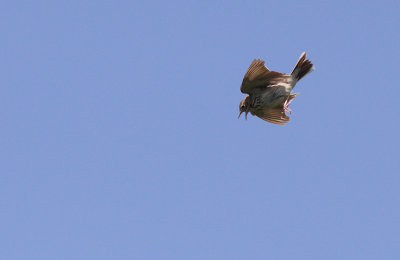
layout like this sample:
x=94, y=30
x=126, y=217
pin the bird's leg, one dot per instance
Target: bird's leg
x=286, y=105
x=288, y=102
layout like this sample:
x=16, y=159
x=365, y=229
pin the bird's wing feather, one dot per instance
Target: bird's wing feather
x=274, y=115
x=258, y=75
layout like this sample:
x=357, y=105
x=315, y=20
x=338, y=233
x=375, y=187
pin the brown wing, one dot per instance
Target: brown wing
x=274, y=115
x=258, y=75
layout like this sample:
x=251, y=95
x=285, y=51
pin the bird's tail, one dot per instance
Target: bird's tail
x=302, y=68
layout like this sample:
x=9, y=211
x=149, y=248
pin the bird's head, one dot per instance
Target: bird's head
x=244, y=106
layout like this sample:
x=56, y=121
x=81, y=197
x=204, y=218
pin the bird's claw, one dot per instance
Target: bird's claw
x=286, y=106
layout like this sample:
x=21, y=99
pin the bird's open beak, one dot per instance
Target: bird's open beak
x=245, y=114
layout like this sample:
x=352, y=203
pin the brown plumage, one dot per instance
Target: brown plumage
x=269, y=92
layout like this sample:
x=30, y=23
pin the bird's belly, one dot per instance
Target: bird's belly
x=275, y=96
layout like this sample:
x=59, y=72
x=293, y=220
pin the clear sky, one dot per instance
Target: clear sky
x=120, y=138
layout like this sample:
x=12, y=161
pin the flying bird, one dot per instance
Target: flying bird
x=270, y=92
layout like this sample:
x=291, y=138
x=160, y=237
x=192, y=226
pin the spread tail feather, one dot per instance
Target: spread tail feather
x=302, y=68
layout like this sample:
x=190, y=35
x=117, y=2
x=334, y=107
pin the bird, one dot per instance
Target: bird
x=270, y=92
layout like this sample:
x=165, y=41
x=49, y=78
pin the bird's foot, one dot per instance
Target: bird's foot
x=286, y=106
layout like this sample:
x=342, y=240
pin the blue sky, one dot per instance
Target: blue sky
x=120, y=137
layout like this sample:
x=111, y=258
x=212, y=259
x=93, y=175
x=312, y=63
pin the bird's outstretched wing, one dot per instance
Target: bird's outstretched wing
x=274, y=115
x=258, y=75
